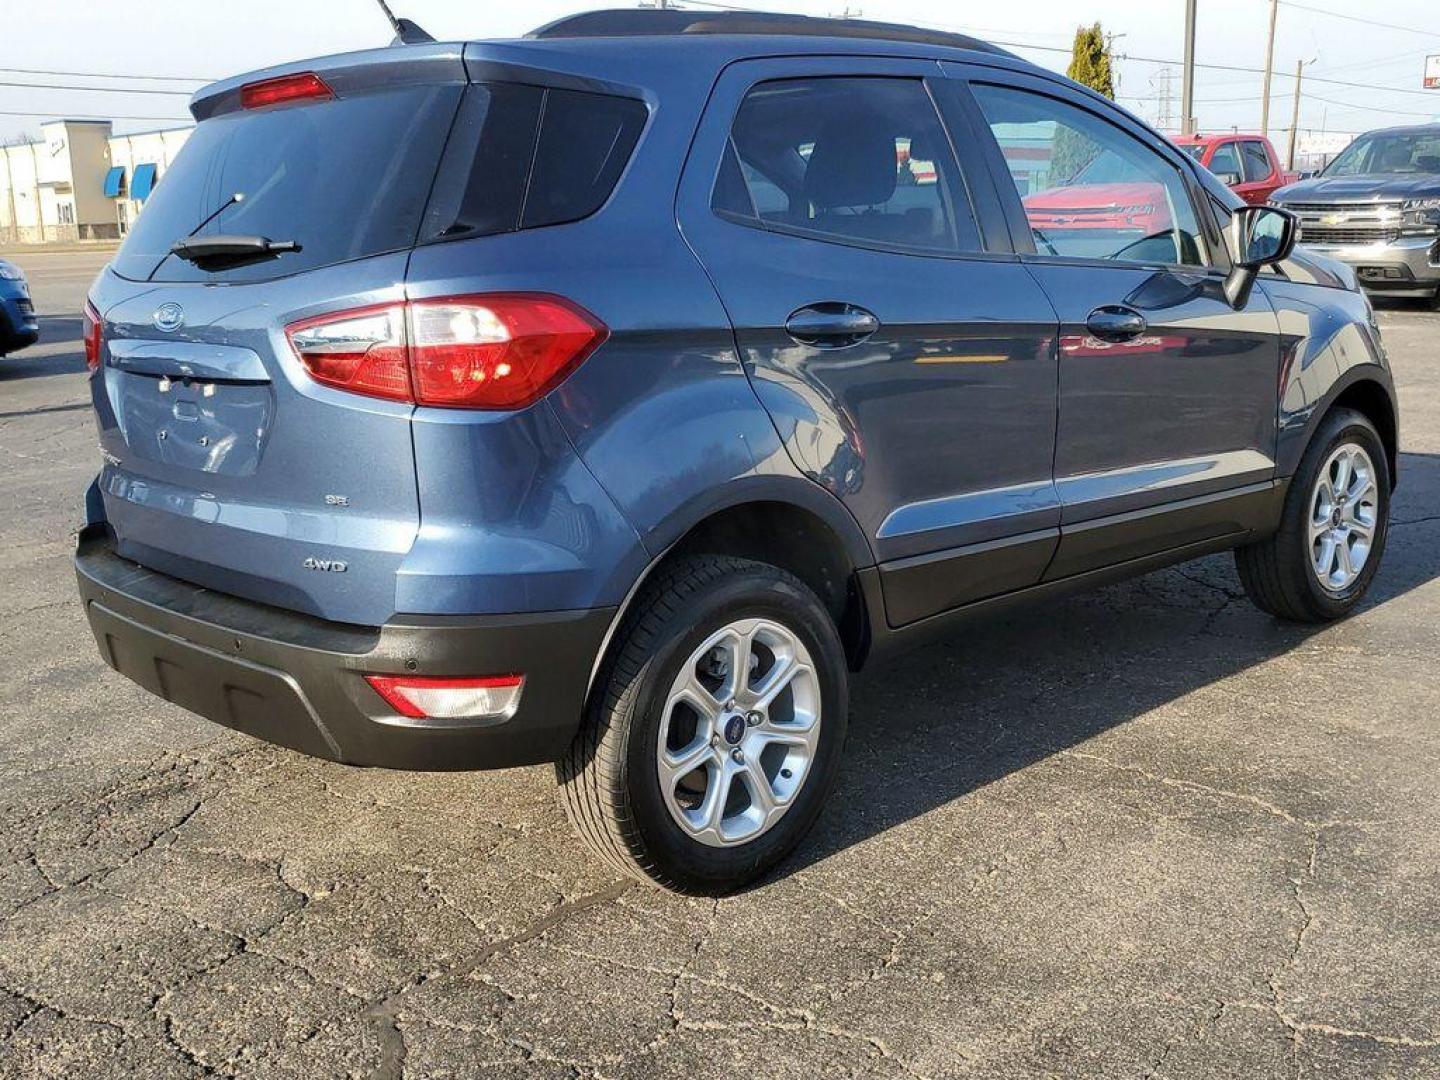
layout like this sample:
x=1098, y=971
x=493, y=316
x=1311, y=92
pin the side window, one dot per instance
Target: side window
x=522, y=156
x=1226, y=162
x=1089, y=189
x=1257, y=161
x=584, y=144
x=863, y=160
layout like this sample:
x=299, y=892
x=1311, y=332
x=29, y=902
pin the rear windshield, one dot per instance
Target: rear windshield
x=345, y=179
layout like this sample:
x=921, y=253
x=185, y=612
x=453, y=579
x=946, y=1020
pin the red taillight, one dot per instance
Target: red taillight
x=306, y=85
x=419, y=697
x=92, y=336
x=363, y=351
x=496, y=352
x=501, y=351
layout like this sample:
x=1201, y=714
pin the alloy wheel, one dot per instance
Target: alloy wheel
x=1344, y=518
x=739, y=733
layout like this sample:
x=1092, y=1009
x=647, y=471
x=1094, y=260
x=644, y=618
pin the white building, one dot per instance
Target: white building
x=81, y=182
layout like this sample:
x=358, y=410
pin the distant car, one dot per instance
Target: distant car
x=1247, y=164
x=18, y=325
x=1377, y=208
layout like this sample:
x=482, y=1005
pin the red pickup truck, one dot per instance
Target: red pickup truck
x=1246, y=163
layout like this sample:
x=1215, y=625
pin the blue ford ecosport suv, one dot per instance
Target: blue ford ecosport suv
x=605, y=397
x=18, y=325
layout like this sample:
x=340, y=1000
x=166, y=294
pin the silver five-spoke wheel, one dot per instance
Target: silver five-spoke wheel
x=739, y=732
x=1344, y=514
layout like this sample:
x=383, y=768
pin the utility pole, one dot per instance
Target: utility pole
x=1187, y=93
x=1269, y=70
x=1295, y=116
x=10, y=190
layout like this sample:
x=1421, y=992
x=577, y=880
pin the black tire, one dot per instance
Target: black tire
x=1276, y=572
x=609, y=780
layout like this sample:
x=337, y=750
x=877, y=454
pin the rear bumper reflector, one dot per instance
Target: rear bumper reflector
x=418, y=698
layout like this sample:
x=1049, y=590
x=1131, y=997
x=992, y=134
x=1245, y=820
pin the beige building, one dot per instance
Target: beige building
x=80, y=182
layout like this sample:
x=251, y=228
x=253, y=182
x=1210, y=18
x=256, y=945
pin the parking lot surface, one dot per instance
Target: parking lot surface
x=1148, y=832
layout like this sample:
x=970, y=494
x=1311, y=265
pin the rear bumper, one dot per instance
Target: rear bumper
x=1405, y=267
x=297, y=681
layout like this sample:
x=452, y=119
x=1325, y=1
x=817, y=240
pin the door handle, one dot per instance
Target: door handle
x=831, y=325
x=1115, y=323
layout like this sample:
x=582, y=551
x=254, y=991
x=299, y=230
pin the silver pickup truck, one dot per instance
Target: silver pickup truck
x=1377, y=207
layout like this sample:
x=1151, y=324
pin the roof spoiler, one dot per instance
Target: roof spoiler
x=407, y=32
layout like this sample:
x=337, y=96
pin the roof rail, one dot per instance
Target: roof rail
x=631, y=22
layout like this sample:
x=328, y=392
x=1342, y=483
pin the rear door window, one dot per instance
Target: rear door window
x=1226, y=161
x=344, y=178
x=858, y=160
x=527, y=156
x=1256, y=160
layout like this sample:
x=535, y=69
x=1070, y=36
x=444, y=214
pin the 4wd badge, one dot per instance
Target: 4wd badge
x=330, y=566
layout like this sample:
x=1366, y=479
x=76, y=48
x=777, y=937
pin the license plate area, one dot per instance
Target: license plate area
x=206, y=426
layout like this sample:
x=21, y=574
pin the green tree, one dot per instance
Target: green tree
x=1090, y=63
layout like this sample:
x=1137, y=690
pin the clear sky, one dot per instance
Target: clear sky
x=205, y=39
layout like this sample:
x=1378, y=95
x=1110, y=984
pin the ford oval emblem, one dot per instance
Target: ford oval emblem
x=168, y=317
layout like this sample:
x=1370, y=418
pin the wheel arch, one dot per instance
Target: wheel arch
x=1371, y=400
x=792, y=524
x=1368, y=390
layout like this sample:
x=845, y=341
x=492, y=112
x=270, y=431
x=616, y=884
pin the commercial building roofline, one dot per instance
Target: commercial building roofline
x=151, y=131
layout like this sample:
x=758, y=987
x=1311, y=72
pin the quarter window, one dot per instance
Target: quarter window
x=523, y=156
x=1089, y=190
x=859, y=160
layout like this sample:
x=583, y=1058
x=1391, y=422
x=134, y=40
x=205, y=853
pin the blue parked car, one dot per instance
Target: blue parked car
x=606, y=397
x=18, y=325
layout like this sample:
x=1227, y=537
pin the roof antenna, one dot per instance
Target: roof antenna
x=406, y=32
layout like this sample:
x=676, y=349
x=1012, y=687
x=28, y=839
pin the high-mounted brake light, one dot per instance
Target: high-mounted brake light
x=306, y=85
x=497, y=351
x=418, y=697
x=92, y=331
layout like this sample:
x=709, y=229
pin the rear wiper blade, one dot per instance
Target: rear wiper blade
x=217, y=252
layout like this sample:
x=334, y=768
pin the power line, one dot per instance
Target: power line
x=94, y=89
x=100, y=116
x=1220, y=67
x=1409, y=56
x=100, y=75
x=1373, y=108
x=1360, y=19
x=1172, y=61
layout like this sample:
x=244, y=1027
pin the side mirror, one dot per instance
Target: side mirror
x=1259, y=236
x=1229, y=179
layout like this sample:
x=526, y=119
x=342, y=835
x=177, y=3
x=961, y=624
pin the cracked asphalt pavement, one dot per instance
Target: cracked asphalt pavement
x=1143, y=833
